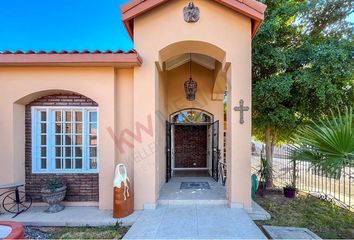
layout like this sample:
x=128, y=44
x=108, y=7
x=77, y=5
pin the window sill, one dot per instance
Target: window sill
x=64, y=172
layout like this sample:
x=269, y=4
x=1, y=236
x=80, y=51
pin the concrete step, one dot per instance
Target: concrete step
x=164, y=202
x=258, y=213
x=276, y=232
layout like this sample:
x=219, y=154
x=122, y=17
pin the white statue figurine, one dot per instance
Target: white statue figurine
x=121, y=177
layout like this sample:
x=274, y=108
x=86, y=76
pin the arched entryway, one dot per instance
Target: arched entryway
x=61, y=142
x=192, y=139
x=192, y=136
x=192, y=155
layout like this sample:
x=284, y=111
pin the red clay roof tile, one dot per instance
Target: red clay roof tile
x=85, y=57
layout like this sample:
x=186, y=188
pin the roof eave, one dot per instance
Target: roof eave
x=250, y=8
x=138, y=7
x=114, y=60
x=255, y=27
x=130, y=29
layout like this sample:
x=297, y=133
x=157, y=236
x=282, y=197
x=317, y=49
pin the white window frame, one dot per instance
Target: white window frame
x=50, y=154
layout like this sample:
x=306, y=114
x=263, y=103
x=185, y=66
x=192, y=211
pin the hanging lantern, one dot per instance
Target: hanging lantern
x=190, y=86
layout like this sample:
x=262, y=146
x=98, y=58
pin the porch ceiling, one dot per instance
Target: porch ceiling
x=219, y=78
x=200, y=59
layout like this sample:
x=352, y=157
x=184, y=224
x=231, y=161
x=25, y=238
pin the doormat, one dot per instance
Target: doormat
x=195, y=185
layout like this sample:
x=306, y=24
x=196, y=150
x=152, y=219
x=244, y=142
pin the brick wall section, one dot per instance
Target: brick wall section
x=190, y=146
x=81, y=187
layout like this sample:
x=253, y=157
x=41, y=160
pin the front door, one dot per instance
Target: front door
x=190, y=143
x=168, y=152
x=215, y=150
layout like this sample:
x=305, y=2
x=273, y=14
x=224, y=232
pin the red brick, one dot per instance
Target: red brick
x=191, y=146
x=81, y=187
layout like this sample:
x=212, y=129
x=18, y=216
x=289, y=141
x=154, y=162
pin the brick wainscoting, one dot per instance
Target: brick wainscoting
x=81, y=187
x=190, y=146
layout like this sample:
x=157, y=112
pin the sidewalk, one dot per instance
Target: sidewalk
x=194, y=222
x=70, y=216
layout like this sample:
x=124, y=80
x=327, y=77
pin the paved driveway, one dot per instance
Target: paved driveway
x=194, y=222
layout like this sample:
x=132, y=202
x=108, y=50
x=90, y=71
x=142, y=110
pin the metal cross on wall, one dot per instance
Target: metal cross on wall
x=242, y=109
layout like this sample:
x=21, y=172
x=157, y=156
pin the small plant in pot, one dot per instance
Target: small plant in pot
x=263, y=173
x=289, y=191
x=53, y=193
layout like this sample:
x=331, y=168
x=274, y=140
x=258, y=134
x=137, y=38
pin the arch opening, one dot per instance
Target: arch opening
x=196, y=47
x=191, y=116
x=60, y=141
x=192, y=136
x=204, y=54
x=39, y=94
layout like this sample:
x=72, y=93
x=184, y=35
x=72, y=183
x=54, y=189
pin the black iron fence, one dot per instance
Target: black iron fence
x=337, y=188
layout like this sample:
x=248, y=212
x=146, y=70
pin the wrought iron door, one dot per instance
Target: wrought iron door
x=168, y=151
x=215, y=150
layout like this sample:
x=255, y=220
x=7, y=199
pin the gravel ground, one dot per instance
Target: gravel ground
x=36, y=233
x=104, y=232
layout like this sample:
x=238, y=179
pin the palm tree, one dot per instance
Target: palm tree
x=327, y=143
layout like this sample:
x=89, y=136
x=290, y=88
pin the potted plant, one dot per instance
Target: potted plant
x=263, y=172
x=53, y=193
x=289, y=190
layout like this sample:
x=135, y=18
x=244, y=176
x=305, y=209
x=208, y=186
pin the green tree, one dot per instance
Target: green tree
x=302, y=66
x=327, y=142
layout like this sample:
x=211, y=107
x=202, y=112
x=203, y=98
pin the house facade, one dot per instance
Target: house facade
x=75, y=115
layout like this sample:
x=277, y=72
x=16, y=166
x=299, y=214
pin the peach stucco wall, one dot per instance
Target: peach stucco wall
x=129, y=99
x=110, y=88
x=161, y=117
x=124, y=119
x=204, y=78
x=220, y=33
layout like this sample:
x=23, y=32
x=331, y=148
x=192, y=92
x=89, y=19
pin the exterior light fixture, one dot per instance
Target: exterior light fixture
x=190, y=86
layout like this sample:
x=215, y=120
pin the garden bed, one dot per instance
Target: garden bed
x=321, y=217
x=106, y=232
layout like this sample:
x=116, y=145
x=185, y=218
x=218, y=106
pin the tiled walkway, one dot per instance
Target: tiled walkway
x=194, y=221
x=194, y=214
x=171, y=190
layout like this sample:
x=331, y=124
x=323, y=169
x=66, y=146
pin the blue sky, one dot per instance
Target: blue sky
x=62, y=25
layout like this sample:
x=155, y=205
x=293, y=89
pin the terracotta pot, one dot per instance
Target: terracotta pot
x=122, y=207
x=53, y=198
